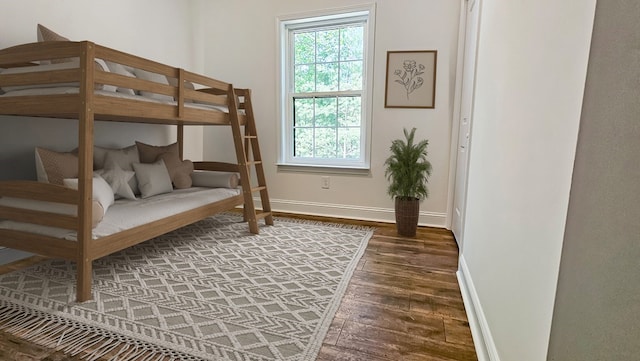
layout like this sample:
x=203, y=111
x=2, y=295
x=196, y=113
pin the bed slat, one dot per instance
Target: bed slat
x=38, y=244
x=204, y=96
x=41, y=77
x=39, y=191
x=39, y=217
x=203, y=80
x=31, y=52
x=135, y=83
x=116, y=56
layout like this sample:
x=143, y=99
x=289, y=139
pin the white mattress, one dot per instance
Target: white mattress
x=125, y=213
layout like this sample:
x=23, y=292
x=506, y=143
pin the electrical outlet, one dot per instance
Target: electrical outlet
x=325, y=183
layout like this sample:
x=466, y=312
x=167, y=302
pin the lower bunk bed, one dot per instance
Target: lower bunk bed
x=42, y=218
x=125, y=216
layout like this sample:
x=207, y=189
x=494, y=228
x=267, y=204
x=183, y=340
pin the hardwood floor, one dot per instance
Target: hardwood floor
x=403, y=304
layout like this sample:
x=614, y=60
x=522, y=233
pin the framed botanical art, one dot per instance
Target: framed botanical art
x=411, y=79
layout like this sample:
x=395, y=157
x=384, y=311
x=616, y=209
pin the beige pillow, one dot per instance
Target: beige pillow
x=179, y=170
x=150, y=153
x=53, y=167
x=102, y=197
x=46, y=34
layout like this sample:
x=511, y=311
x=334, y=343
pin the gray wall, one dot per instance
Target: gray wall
x=597, y=311
x=19, y=136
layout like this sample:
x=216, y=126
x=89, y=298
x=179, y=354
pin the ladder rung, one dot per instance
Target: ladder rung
x=258, y=189
x=260, y=215
x=250, y=136
x=254, y=162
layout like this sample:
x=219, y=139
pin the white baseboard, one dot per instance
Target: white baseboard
x=431, y=219
x=482, y=338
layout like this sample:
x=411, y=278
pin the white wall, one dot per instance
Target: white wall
x=531, y=70
x=156, y=29
x=240, y=39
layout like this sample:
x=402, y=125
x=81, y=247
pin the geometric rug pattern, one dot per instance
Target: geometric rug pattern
x=207, y=291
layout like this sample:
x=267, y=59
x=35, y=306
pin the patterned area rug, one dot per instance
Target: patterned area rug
x=208, y=291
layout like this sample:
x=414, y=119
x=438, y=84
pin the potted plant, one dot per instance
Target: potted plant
x=408, y=171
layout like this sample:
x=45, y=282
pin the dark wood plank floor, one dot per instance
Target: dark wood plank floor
x=403, y=303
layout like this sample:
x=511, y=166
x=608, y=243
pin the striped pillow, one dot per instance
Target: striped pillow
x=46, y=34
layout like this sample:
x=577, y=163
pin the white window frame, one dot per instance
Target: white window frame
x=285, y=106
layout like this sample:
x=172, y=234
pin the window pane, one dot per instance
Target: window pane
x=303, y=112
x=324, y=85
x=326, y=109
x=305, y=78
x=303, y=142
x=325, y=142
x=349, y=143
x=327, y=45
x=352, y=43
x=351, y=75
x=305, y=48
x=327, y=77
x=349, y=111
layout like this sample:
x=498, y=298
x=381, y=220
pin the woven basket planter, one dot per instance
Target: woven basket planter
x=407, y=212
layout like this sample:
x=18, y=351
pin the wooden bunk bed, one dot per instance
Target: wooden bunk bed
x=226, y=106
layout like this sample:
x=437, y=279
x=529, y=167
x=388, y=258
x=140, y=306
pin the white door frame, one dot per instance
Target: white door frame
x=457, y=109
x=455, y=120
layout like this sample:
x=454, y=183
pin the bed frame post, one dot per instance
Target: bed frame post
x=181, y=141
x=180, y=113
x=85, y=172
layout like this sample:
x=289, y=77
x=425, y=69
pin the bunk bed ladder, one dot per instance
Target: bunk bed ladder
x=248, y=153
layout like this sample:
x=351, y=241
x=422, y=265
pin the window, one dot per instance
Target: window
x=325, y=107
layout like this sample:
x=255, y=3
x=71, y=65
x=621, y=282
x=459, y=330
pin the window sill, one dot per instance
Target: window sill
x=329, y=169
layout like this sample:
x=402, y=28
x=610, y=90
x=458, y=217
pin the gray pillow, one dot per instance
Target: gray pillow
x=124, y=158
x=118, y=179
x=153, y=178
x=214, y=179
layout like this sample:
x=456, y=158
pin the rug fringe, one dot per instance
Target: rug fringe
x=75, y=340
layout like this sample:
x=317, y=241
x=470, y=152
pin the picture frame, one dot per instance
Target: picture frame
x=411, y=79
